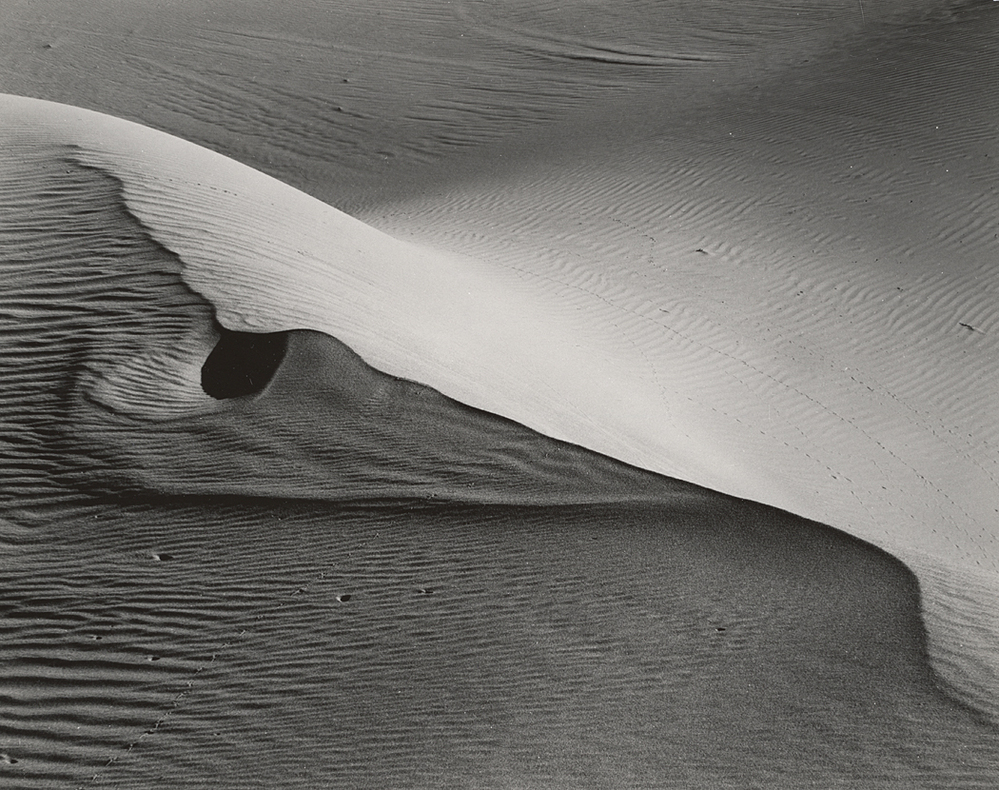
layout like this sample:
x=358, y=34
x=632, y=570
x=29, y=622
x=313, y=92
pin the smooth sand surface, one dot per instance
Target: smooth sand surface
x=749, y=250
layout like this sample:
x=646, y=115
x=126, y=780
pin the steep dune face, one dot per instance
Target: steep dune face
x=271, y=259
x=105, y=341
x=89, y=301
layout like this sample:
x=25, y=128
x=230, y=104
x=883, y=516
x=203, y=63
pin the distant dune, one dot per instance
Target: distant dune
x=613, y=275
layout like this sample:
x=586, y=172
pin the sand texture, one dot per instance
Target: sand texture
x=629, y=422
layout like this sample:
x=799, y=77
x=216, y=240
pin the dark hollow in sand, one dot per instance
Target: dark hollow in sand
x=242, y=363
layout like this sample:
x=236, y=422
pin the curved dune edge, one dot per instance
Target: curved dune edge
x=270, y=258
x=475, y=333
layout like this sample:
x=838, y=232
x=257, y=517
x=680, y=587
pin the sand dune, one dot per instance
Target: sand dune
x=324, y=574
x=773, y=279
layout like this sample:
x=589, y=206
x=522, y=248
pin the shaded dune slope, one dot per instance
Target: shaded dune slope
x=375, y=584
x=249, y=645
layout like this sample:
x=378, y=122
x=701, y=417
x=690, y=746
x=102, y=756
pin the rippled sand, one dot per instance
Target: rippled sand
x=432, y=529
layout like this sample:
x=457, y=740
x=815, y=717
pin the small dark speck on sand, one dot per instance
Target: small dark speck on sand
x=343, y=598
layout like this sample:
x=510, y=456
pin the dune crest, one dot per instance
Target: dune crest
x=270, y=258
